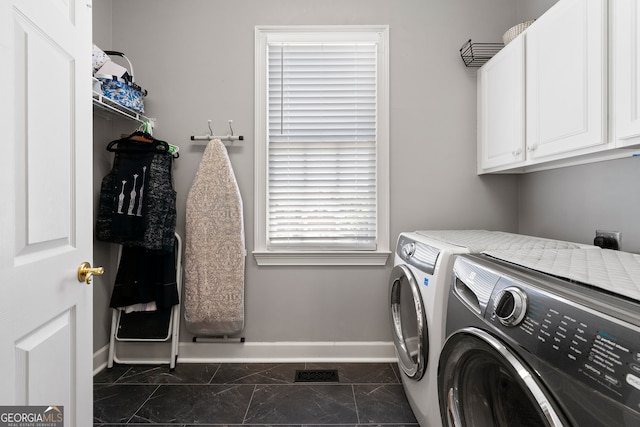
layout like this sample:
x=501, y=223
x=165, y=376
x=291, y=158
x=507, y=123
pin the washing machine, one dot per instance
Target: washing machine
x=528, y=346
x=418, y=293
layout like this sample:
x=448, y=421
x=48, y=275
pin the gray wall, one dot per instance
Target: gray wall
x=532, y=9
x=572, y=203
x=196, y=58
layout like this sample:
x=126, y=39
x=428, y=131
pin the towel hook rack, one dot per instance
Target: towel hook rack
x=229, y=137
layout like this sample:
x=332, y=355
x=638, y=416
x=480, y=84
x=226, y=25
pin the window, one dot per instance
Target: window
x=322, y=145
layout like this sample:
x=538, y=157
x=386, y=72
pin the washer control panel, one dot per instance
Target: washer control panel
x=595, y=348
x=418, y=254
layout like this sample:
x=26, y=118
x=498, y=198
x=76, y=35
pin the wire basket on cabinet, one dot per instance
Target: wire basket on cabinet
x=476, y=54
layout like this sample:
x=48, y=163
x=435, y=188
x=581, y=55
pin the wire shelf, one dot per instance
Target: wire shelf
x=476, y=54
x=104, y=104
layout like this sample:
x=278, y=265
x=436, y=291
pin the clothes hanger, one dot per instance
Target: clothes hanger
x=140, y=144
x=143, y=135
x=146, y=136
x=140, y=141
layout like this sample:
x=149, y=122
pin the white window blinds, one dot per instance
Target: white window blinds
x=322, y=146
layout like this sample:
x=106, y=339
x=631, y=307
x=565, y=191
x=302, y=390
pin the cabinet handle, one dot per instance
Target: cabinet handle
x=531, y=148
x=516, y=153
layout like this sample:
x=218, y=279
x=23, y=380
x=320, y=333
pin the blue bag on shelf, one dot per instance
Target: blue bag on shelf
x=124, y=93
x=117, y=83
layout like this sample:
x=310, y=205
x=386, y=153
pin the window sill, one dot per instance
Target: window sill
x=265, y=258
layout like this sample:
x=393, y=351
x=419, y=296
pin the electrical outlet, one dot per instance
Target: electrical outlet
x=608, y=239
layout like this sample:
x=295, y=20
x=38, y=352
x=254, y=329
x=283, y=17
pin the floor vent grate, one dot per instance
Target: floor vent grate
x=317, y=376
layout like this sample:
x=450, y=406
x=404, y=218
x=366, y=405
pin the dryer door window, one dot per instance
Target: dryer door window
x=409, y=324
x=482, y=383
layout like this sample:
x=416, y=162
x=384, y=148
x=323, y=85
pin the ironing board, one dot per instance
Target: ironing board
x=214, y=248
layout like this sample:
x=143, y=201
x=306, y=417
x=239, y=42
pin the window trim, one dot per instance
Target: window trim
x=265, y=256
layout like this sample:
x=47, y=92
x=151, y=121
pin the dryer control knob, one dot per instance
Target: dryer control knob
x=510, y=306
x=408, y=250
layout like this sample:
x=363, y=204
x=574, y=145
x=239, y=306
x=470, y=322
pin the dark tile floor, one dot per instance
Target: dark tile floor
x=367, y=394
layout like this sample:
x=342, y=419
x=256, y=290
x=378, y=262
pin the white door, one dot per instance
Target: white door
x=46, y=208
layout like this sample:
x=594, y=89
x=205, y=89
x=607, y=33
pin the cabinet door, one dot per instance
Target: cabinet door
x=626, y=72
x=501, y=108
x=566, y=86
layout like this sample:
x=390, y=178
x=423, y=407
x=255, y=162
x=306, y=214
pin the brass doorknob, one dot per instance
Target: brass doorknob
x=85, y=272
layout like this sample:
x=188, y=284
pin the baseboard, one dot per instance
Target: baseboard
x=286, y=352
x=274, y=352
x=100, y=359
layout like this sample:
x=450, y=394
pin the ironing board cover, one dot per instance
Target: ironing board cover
x=614, y=271
x=477, y=241
x=214, y=248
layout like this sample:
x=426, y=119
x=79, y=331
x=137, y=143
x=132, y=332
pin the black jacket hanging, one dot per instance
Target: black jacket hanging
x=137, y=205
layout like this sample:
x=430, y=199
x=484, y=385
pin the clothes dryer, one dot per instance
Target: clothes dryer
x=528, y=347
x=418, y=295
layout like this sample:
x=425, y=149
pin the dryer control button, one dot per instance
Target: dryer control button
x=633, y=380
x=511, y=306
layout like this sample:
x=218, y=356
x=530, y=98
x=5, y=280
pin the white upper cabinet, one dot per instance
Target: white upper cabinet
x=625, y=55
x=566, y=79
x=581, y=84
x=501, y=108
